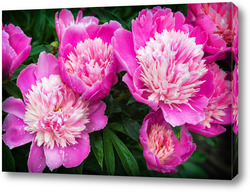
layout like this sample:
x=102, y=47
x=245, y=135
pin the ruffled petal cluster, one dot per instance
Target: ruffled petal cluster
x=53, y=117
x=220, y=21
x=161, y=149
x=163, y=59
x=219, y=109
x=88, y=64
x=15, y=49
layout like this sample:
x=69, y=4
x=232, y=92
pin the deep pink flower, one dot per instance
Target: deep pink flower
x=161, y=149
x=65, y=19
x=220, y=21
x=219, y=109
x=235, y=99
x=163, y=60
x=15, y=49
x=54, y=118
x=89, y=66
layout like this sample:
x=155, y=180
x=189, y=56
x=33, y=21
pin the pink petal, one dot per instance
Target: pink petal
x=201, y=37
x=47, y=65
x=54, y=157
x=14, y=106
x=138, y=97
x=75, y=154
x=207, y=88
x=36, y=161
x=26, y=78
x=20, y=59
x=19, y=42
x=124, y=50
x=206, y=23
x=97, y=118
x=141, y=28
x=73, y=35
x=107, y=30
x=185, y=115
x=213, y=131
x=15, y=135
x=179, y=20
x=88, y=20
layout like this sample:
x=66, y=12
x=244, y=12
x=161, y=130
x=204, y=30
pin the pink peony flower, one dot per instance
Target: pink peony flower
x=66, y=19
x=15, y=49
x=220, y=21
x=163, y=60
x=89, y=66
x=235, y=99
x=219, y=109
x=54, y=118
x=161, y=149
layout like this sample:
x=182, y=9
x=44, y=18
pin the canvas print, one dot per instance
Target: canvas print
x=147, y=90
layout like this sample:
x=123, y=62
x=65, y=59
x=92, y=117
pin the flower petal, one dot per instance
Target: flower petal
x=213, y=131
x=36, y=161
x=124, y=50
x=97, y=119
x=14, y=106
x=54, y=157
x=26, y=78
x=75, y=154
x=15, y=135
x=47, y=65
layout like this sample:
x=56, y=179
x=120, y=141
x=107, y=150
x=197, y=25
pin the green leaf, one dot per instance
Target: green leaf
x=198, y=157
x=17, y=71
x=109, y=155
x=12, y=89
x=97, y=146
x=212, y=141
x=177, y=132
x=132, y=128
x=191, y=170
x=39, y=20
x=117, y=127
x=110, y=105
x=128, y=161
x=8, y=163
x=38, y=49
x=78, y=169
x=106, y=16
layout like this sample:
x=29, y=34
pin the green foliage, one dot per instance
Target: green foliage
x=177, y=132
x=97, y=146
x=11, y=88
x=8, y=160
x=108, y=152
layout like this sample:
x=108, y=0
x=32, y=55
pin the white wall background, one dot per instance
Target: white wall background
x=59, y=183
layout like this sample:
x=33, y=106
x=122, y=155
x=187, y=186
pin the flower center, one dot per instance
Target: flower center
x=55, y=113
x=160, y=142
x=171, y=67
x=89, y=60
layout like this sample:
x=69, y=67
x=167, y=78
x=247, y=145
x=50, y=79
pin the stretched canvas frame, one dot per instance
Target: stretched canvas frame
x=130, y=122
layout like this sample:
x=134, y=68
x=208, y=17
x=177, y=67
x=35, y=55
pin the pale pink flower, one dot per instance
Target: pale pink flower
x=161, y=149
x=89, y=66
x=235, y=99
x=220, y=21
x=165, y=69
x=15, y=49
x=219, y=109
x=53, y=117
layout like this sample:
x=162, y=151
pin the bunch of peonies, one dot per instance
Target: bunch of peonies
x=170, y=64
